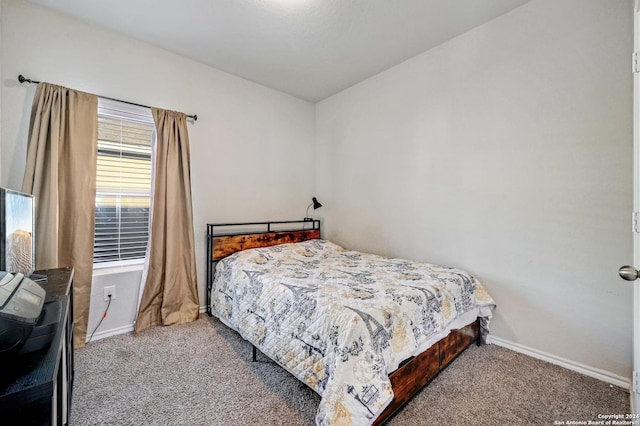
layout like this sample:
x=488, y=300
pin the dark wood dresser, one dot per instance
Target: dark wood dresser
x=36, y=388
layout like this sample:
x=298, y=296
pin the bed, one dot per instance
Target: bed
x=363, y=331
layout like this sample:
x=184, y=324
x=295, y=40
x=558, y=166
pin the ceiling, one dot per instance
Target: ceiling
x=310, y=49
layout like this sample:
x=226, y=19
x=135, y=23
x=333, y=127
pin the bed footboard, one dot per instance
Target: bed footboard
x=419, y=371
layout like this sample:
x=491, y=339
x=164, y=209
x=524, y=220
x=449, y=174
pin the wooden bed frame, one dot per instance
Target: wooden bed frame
x=412, y=375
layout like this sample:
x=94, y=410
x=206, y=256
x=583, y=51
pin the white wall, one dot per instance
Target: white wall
x=506, y=151
x=251, y=148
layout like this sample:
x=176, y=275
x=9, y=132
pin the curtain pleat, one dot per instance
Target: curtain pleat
x=60, y=173
x=170, y=292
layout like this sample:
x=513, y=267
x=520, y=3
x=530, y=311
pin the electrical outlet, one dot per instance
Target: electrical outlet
x=110, y=291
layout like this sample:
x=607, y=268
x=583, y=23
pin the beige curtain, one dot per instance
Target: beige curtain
x=61, y=174
x=170, y=292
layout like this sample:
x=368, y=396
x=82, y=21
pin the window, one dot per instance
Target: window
x=123, y=182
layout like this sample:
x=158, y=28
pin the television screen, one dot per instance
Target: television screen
x=17, y=250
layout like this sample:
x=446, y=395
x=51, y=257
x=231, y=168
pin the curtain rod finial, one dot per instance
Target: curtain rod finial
x=23, y=79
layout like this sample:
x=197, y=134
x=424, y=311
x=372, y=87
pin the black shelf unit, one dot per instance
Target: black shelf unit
x=36, y=389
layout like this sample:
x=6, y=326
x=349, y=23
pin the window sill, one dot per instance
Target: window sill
x=107, y=268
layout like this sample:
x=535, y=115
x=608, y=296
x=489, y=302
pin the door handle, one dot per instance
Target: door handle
x=628, y=273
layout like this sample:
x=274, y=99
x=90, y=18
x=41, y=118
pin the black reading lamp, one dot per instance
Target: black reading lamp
x=316, y=205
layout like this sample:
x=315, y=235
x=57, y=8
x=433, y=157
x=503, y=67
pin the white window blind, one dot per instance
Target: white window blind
x=123, y=182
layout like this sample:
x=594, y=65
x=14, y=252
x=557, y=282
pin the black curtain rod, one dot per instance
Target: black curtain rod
x=23, y=79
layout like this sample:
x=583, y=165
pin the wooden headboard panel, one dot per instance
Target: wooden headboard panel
x=224, y=239
x=225, y=245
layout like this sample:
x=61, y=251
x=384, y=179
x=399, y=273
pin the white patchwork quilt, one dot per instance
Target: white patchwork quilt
x=340, y=320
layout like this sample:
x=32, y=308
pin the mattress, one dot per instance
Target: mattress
x=341, y=321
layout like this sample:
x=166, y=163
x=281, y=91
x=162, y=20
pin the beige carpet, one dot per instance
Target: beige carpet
x=201, y=374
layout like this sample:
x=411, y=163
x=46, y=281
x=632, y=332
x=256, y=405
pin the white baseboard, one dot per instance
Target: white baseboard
x=111, y=332
x=203, y=309
x=605, y=376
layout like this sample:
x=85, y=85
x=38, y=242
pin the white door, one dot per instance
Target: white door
x=628, y=272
